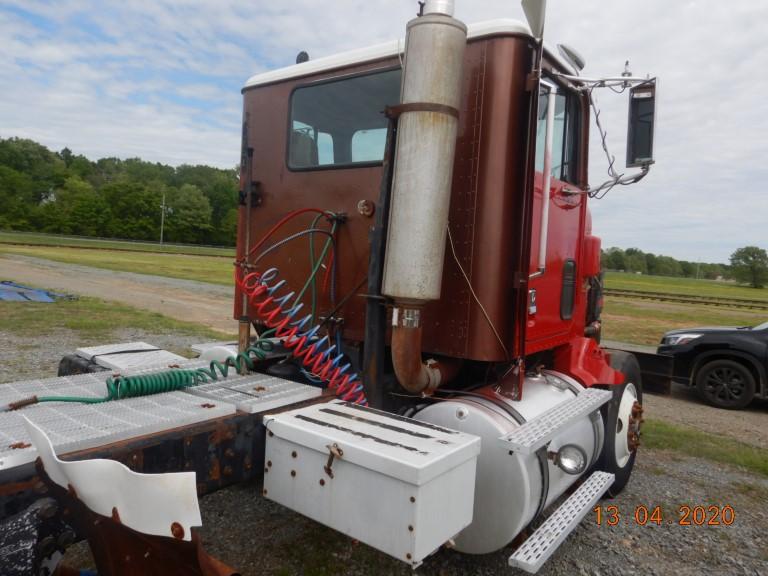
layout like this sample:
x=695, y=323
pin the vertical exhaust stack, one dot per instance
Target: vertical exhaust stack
x=421, y=188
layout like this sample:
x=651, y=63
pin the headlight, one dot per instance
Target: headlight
x=677, y=339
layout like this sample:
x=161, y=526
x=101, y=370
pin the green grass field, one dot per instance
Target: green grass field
x=202, y=268
x=645, y=321
x=35, y=239
x=91, y=319
x=689, y=286
x=664, y=436
x=635, y=321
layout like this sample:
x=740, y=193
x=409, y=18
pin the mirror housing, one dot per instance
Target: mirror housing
x=642, y=119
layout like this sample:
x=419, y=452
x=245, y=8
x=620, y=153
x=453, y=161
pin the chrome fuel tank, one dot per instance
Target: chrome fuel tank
x=511, y=489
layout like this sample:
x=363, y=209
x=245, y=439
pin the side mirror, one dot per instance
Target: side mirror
x=642, y=117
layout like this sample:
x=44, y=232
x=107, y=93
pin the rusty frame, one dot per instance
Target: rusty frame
x=222, y=452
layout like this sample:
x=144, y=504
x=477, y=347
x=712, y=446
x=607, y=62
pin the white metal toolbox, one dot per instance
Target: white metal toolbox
x=402, y=486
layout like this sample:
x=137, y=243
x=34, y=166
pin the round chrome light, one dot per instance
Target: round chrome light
x=571, y=459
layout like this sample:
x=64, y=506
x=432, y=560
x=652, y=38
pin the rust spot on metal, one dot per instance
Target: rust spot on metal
x=247, y=464
x=207, y=405
x=71, y=491
x=19, y=445
x=221, y=433
x=266, y=470
x=293, y=473
x=214, y=473
x=269, y=463
x=260, y=389
x=136, y=461
x=119, y=550
x=22, y=403
x=229, y=453
x=322, y=482
x=227, y=471
x=410, y=528
x=333, y=452
x=16, y=487
x=177, y=530
x=633, y=429
x=408, y=556
x=293, y=454
x=413, y=499
x=264, y=492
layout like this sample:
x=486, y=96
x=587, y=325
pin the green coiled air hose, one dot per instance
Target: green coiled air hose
x=120, y=387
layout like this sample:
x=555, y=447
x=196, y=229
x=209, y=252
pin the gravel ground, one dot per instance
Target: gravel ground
x=25, y=357
x=684, y=406
x=267, y=539
x=259, y=537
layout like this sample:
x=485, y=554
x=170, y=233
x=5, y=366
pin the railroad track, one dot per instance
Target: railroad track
x=688, y=299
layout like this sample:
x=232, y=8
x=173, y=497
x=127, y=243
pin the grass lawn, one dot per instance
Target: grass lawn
x=625, y=320
x=33, y=238
x=645, y=321
x=203, y=268
x=661, y=435
x=691, y=286
x=91, y=319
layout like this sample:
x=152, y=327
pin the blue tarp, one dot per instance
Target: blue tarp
x=12, y=292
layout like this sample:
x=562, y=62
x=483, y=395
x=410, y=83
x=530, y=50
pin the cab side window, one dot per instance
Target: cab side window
x=340, y=122
x=565, y=135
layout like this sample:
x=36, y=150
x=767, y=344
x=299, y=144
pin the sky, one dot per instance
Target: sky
x=161, y=80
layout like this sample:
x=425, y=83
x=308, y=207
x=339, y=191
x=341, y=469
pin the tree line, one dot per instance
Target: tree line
x=635, y=260
x=66, y=193
x=748, y=265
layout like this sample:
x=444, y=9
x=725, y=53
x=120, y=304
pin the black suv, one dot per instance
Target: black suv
x=729, y=366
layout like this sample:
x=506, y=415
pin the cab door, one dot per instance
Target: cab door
x=554, y=285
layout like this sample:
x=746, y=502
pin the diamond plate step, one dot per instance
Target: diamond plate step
x=73, y=427
x=537, y=432
x=256, y=393
x=548, y=537
x=128, y=356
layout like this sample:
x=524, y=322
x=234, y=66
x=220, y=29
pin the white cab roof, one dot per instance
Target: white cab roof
x=380, y=52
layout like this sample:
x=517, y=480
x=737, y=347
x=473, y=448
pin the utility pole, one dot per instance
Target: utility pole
x=162, y=219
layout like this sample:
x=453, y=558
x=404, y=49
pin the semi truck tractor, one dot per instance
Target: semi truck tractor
x=418, y=292
x=426, y=204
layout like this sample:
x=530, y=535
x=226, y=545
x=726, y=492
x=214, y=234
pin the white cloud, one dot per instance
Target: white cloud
x=161, y=80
